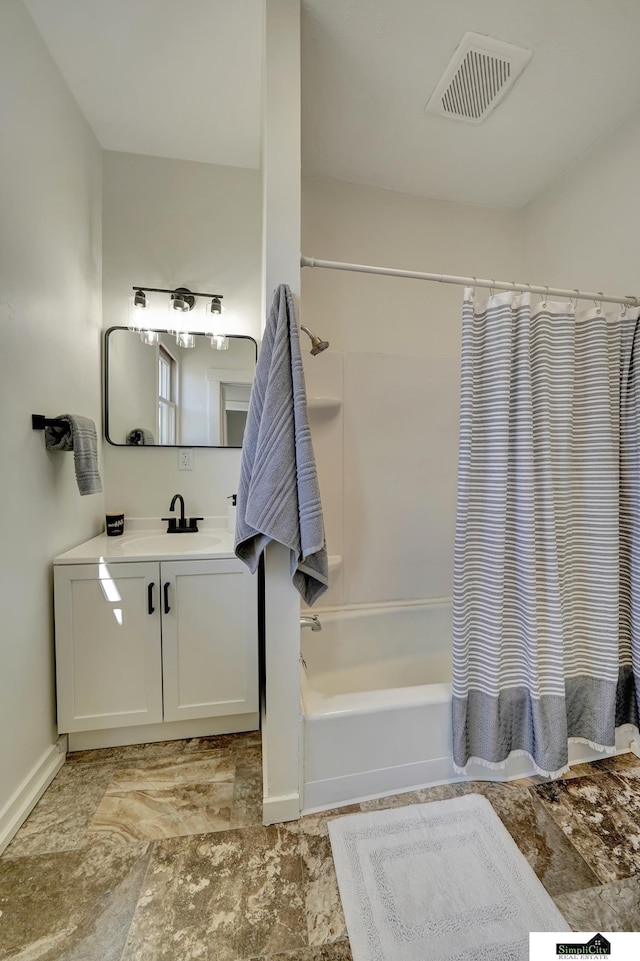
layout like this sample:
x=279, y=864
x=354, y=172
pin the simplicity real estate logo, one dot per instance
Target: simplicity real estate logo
x=596, y=946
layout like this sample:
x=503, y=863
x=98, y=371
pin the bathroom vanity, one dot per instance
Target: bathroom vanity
x=156, y=638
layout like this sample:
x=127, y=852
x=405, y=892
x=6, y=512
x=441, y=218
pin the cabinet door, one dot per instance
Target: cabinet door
x=108, y=648
x=209, y=639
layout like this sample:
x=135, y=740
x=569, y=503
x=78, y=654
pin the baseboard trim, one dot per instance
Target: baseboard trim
x=25, y=798
x=286, y=807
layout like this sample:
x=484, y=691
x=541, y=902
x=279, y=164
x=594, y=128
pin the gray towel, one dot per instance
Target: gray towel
x=278, y=495
x=79, y=435
x=139, y=437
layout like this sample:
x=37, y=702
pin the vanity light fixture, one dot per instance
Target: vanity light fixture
x=220, y=342
x=138, y=310
x=182, y=300
x=180, y=304
x=185, y=339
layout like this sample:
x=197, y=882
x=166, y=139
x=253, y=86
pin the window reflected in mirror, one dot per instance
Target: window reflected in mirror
x=162, y=394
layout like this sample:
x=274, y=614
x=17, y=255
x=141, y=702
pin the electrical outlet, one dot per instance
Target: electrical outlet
x=185, y=458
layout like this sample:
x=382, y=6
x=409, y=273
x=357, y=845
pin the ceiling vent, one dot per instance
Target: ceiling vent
x=479, y=75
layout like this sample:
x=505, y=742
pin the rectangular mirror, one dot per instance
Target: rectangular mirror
x=164, y=395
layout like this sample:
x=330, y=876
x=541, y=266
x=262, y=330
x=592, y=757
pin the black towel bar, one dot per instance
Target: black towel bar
x=39, y=422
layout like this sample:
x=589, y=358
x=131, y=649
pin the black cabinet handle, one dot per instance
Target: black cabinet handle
x=166, y=598
x=150, y=607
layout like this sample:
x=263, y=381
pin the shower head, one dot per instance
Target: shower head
x=317, y=345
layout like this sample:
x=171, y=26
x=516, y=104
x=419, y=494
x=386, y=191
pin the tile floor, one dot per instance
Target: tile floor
x=157, y=853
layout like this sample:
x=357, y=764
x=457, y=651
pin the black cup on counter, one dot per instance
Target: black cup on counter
x=114, y=524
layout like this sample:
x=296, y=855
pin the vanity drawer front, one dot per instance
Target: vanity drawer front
x=108, y=656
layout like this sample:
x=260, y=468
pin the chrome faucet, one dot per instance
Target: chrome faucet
x=181, y=525
x=313, y=622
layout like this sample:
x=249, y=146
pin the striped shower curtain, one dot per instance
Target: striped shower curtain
x=543, y=608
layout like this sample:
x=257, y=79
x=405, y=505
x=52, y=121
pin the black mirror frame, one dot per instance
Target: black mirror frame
x=109, y=331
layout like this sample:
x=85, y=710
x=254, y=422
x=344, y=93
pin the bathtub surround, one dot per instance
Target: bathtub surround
x=387, y=459
x=278, y=497
x=437, y=880
x=536, y=600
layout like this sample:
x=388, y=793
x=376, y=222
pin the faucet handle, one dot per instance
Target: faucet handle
x=172, y=524
x=193, y=523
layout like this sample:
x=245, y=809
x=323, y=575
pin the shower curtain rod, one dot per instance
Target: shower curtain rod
x=596, y=296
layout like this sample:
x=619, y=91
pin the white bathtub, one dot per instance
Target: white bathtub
x=376, y=699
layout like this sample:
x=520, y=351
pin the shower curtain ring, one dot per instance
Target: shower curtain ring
x=543, y=302
x=574, y=306
x=599, y=308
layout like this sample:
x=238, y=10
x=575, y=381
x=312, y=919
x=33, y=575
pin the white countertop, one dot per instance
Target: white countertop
x=151, y=545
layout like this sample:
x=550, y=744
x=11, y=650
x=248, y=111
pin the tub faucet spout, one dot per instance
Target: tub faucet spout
x=312, y=622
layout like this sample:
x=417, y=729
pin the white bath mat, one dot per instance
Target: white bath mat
x=437, y=881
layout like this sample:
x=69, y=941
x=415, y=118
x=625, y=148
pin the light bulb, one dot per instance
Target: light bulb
x=138, y=307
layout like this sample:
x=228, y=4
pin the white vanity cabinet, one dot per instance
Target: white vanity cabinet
x=154, y=641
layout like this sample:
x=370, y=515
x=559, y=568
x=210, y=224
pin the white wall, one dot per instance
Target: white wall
x=582, y=230
x=50, y=264
x=281, y=720
x=388, y=460
x=172, y=223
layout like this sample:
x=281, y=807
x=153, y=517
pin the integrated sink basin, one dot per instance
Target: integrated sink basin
x=196, y=543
